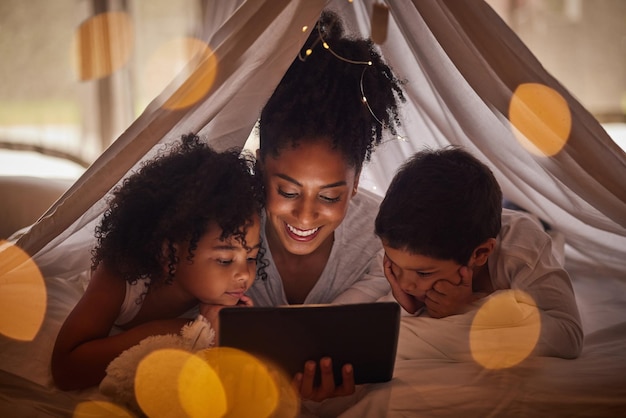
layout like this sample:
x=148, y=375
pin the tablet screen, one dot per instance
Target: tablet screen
x=364, y=335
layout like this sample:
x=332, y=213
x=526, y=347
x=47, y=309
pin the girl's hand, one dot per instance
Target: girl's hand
x=447, y=298
x=409, y=302
x=303, y=382
x=245, y=301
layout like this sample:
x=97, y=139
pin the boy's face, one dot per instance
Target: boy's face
x=221, y=270
x=416, y=274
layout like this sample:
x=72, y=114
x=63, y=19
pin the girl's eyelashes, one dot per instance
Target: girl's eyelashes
x=224, y=261
x=253, y=257
x=424, y=274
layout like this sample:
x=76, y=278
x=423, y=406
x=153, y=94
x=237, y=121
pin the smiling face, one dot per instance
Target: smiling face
x=308, y=190
x=221, y=270
x=417, y=274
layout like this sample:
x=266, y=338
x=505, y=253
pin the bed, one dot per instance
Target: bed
x=432, y=380
x=438, y=383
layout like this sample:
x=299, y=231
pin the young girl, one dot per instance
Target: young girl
x=183, y=231
x=316, y=131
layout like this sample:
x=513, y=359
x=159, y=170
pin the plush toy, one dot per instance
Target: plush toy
x=119, y=381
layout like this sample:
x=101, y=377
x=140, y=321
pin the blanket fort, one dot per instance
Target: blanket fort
x=465, y=71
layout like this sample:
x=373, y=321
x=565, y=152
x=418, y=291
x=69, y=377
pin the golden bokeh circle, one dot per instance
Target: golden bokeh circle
x=23, y=295
x=176, y=383
x=505, y=330
x=102, y=45
x=541, y=119
x=104, y=409
x=189, y=61
x=253, y=388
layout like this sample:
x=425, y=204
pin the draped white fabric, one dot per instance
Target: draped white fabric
x=254, y=46
x=461, y=63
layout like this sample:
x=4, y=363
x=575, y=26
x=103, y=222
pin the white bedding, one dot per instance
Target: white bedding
x=594, y=385
x=434, y=379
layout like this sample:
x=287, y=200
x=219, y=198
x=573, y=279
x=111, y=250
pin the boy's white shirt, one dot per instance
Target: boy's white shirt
x=524, y=259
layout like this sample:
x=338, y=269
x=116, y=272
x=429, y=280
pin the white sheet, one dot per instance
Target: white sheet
x=439, y=382
x=440, y=379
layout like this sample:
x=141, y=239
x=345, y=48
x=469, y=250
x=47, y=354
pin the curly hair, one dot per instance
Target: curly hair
x=320, y=96
x=442, y=204
x=172, y=199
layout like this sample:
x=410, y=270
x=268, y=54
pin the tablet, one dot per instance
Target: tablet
x=364, y=335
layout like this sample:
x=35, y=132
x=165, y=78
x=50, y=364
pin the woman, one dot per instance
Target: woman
x=320, y=125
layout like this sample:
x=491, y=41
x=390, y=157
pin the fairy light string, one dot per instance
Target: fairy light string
x=366, y=65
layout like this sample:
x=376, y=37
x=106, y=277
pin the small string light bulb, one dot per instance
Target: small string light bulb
x=369, y=63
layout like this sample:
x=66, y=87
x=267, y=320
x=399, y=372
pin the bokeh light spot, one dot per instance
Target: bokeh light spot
x=253, y=388
x=200, y=390
x=188, y=59
x=541, y=119
x=94, y=409
x=102, y=45
x=176, y=383
x=505, y=330
x=22, y=294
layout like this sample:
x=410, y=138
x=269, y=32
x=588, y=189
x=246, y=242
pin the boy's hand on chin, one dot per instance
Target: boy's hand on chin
x=447, y=298
x=409, y=302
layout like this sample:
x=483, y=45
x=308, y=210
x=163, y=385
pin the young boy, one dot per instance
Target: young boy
x=448, y=243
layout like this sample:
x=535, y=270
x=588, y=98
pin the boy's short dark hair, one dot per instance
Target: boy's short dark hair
x=441, y=204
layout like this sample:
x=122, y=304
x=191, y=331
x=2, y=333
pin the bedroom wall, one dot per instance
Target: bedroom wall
x=582, y=43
